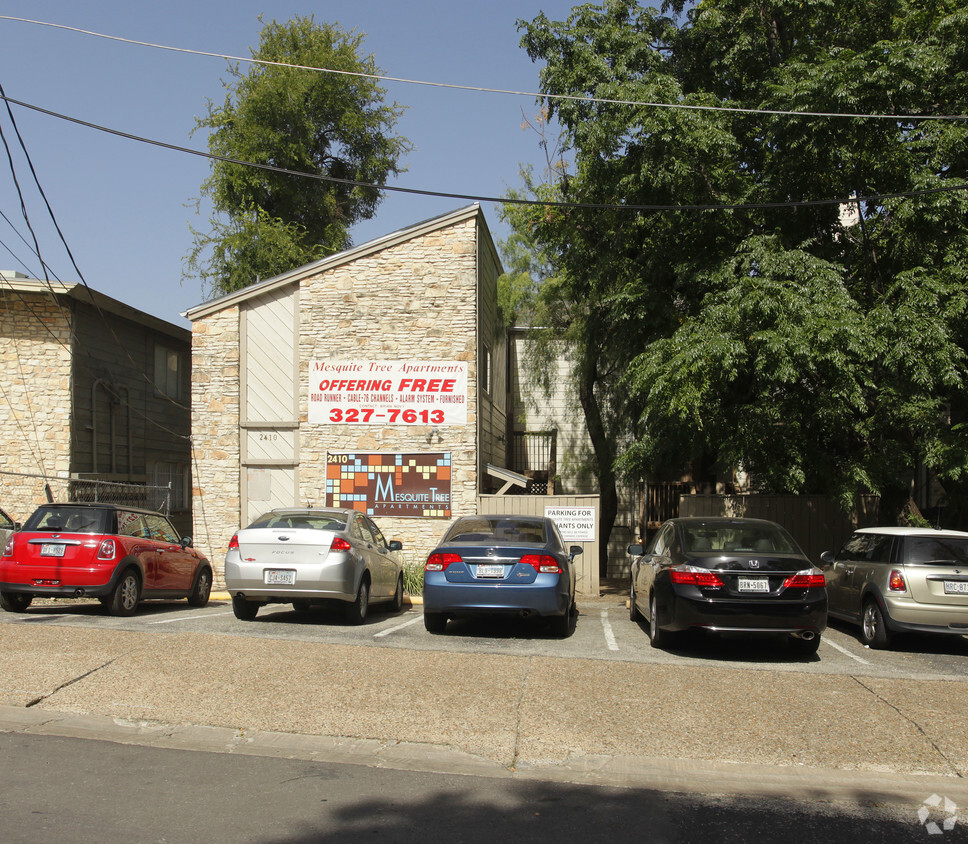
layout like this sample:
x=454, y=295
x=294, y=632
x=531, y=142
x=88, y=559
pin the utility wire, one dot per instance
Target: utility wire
x=479, y=89
x=506, y=200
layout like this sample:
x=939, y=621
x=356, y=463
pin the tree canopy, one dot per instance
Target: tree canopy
x=282, y=113
x=763, y=256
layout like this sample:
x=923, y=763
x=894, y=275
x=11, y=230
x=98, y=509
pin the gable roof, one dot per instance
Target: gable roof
x=340, y=258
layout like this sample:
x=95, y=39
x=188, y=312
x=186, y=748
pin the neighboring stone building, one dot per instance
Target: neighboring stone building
x=90, y=388
x=379, y=373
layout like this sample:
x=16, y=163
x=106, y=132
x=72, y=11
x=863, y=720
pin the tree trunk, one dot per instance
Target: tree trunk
x=604, y=458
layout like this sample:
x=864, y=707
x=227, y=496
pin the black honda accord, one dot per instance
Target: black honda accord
x=727, y=575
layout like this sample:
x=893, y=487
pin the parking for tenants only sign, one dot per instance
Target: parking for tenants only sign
x=576, y=524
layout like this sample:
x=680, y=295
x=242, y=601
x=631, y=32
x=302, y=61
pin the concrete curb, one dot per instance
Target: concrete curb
x=665, y=775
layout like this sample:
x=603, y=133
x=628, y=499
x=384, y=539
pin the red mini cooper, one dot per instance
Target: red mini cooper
x=119, y=555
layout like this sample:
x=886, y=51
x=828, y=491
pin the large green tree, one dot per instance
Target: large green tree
x=282, y=113
x=756, y=321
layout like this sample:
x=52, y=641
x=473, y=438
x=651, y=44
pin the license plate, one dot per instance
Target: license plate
x=277, y=577
x=52, y=550
x=956, y=587
x=490, y=571
x=754, y=584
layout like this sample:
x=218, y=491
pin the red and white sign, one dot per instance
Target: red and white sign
x=372, y=392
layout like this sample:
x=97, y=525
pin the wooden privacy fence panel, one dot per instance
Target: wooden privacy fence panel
x=586, y=563
x=817, y=523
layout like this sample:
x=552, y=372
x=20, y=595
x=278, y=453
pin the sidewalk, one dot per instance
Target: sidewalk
x=672, y=727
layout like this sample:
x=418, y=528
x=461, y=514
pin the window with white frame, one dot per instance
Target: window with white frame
x=168, y=372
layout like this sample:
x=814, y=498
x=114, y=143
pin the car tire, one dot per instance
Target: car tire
x=201, y=589
x=873, y=627
x=804, y=647
x=123, y=600
x=397, y=603
x=658, y=637
x=435, y=622
x=561, y=625
x=15, y=601
x=244, y=610
x=357, y=609
x=634, y=613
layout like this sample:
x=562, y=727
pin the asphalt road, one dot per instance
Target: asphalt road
x=725, y=719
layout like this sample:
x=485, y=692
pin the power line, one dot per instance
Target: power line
x=505, y=200
x=485, y=90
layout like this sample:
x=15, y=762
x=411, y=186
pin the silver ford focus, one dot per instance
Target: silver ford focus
x=311, y=556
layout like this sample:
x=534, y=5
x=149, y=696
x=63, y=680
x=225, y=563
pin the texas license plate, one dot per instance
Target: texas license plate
x=956, y=587
x=490, y=571
x=52, y=549
x=753, y=584
x=280, y=577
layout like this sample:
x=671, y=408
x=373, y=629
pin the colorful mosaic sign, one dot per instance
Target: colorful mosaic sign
x=381, y=484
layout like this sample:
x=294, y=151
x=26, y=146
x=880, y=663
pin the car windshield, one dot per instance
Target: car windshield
x=936, y=549
x=500, y=529
x=309, y=521
x=729, y=537
x=70, y=519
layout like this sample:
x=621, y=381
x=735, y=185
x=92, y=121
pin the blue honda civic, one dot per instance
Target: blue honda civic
x=508, y=564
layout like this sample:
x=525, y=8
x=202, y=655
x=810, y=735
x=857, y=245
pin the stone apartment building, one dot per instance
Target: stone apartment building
x=92, y=389
x=377, y=374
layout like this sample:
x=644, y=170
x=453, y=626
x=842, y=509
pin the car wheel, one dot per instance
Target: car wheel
x=356, y=611
x=198, y=597
x=873, y=629
x=124, y=599
x=435, y=622
x=397, y=603
x=244, y=610
x=15, y=601
x=804, y=647
x=634, y=613
x=658, y=637
x=561, y=625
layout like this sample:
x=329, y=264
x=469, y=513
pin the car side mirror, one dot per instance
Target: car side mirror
x=636, y=550
x=395, y=545
x=575, y=550
x=186, y=542
x=826, y=559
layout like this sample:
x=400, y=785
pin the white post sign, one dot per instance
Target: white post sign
x=374, y=392
x=576, y=524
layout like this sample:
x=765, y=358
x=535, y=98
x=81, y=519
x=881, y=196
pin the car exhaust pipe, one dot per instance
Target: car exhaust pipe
x=78, y=593
x=806, y=635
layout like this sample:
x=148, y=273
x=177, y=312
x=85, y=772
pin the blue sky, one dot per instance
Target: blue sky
x=125, y=207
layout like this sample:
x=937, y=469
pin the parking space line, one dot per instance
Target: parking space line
x=843, y=650
x=189, y=618
x=609, y=635
x=398, y=627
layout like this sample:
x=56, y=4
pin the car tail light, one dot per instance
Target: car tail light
x=804, y=580
x=340, y=544
x=544, y=563
x=8, y=548
x=234, y=542
x=439, y=562
x=896, y=582
x=690, y=575
x=107, y=550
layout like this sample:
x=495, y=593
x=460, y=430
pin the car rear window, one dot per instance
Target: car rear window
x=484, y=529
x=732, y=537
x=310, y=521
x=70, y=519
x=939, y=550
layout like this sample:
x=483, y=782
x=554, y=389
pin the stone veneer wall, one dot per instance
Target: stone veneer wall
x=35, y=411
x=215, y=434
x=413, y=301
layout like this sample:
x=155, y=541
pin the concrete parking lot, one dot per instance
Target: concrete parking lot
x=499, y=697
